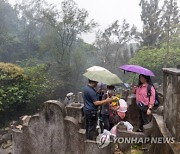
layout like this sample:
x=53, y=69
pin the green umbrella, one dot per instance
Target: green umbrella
x=103, y=76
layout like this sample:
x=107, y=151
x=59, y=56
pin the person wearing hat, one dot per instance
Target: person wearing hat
x=91, y=104
x=122, y=108
x=121, y=112
x=118, y=113
x=111, y=115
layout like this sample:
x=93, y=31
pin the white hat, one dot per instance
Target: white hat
x=123, y=105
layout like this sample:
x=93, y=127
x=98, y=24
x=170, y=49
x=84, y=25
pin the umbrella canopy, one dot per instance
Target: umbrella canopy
x=97, y=68
x=103, y=76
x=137, y=69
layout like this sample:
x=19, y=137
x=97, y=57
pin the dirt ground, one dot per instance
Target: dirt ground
x=135, y=149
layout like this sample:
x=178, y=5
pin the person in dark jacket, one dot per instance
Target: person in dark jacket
x=91, y=104
x=106, y=109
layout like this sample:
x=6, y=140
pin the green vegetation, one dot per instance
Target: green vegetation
x=160, y=37
x=43, y=57
x=41, y=53
x=15, y=91
x=153, y=58
x=23, y=90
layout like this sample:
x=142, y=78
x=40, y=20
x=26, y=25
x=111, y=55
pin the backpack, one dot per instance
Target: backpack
x=156, y=103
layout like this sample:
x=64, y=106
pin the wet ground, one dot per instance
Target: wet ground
x=135, y=149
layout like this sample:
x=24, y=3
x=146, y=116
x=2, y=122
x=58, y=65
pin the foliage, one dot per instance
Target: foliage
x=152, y=58
x=160, y=36
x=170, y=17
x=83, y=56
x=8, y=33
x=14, y=91
x=61, y=30
x=159, y=22
x=23, y=90
x=170, y=20
x=42, y=83
x=150, y=16
x=45, y=41
x=63, y=26
x=115, y=45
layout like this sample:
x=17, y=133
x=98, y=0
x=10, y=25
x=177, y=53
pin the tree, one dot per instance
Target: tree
x=9, y=42
x=150, y=16
x=170, y=19
x=152, y=57
x=68, y=25
x=30, y=29
x=84, y=55
x=113, y=44
x=15, y=91
x=63, y=28
x=50, y=34
x=159, y=24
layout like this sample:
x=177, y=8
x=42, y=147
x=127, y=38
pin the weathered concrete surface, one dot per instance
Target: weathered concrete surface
x=147, y=129
x=75, y=111
x=125, y=135
x=92, y=148
x=44, y=133
x=53, y=132
x=171, y=90
x=160, y=110
x=6, y=151
x=132, y=113
x=72, y=127
x=160, y=130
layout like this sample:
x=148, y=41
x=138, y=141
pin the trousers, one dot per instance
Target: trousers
x=91, y=122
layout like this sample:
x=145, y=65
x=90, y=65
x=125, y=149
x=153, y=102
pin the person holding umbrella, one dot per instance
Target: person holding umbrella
x=145, y=100
x=144, y=103
x=91, y=104
x=95, y=74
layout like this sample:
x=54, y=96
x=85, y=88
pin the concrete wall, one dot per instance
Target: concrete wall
x=171, y=90
x=160, y=130
x=55, y=132
x=168, y=124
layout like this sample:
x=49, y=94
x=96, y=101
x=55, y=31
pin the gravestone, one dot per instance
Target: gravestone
x=52, y=131
x=44, y=134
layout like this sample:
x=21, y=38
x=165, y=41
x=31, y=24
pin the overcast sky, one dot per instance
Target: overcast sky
x=105, y=12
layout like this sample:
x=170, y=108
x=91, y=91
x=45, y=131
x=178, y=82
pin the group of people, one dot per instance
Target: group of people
x=112, y=115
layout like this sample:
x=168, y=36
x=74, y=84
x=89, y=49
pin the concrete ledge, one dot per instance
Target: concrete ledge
x=172, y=71
x=160, y=130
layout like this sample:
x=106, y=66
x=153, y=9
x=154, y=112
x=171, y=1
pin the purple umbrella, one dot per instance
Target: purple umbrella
x=137, y=69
